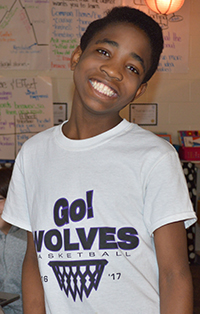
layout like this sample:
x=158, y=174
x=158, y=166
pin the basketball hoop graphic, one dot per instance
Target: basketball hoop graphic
x=76, y=277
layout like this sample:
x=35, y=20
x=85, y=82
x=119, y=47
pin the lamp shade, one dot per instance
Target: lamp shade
x=164, y=6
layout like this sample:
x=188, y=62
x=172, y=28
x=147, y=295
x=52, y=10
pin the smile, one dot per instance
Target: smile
x=103, y=89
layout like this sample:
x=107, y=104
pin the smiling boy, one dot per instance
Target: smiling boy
x=108, y=76
x=104, y=201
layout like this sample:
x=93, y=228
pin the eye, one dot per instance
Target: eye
x=133, y=69
x=103, y=52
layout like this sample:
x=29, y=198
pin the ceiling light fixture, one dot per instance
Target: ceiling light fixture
x=164, y=6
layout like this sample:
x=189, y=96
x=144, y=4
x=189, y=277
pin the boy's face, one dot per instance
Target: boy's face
x=108, y=75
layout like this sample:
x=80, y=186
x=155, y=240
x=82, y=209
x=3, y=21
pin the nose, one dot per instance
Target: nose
x=112, y=71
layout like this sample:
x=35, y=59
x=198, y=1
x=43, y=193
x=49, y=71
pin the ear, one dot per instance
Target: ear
x=141, y=90
x=75, y=57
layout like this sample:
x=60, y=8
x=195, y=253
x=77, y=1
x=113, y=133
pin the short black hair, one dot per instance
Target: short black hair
x=139, y=19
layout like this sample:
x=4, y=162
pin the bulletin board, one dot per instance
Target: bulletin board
x=25, y=109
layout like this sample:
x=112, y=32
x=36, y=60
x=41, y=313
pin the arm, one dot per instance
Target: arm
x=1, y=310
x=32, y=290
x=175, y=281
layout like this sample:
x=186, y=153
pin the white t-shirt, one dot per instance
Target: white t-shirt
x=93, y=206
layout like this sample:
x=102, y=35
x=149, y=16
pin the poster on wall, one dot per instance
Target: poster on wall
x=68, y=21
x=174, y=58
x=26, y=108
x=41, y=35
x=24, y=35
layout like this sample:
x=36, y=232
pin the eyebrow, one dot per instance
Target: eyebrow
x=115, y=44
x=107, y=41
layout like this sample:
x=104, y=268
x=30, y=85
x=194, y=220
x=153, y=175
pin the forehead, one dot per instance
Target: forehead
x=119, y=25
x=128, y=31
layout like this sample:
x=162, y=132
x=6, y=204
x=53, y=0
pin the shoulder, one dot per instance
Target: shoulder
x=39, y=142
x=36, y=148
x=41, y=136
x=146, y=143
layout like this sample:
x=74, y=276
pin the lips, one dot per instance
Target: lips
x=102, y=88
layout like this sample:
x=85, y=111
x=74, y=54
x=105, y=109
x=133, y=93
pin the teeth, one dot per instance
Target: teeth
x=101, y=88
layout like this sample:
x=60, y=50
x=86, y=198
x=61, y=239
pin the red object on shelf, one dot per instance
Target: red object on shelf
x=189, y=153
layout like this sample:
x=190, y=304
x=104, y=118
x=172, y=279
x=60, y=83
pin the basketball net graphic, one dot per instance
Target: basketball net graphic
x=76, y=277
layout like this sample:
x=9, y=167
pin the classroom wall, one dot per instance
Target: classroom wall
x=177, y=95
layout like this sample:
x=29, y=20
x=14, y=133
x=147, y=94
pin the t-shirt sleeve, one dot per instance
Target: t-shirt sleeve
x=166, y=194
x=16, y=206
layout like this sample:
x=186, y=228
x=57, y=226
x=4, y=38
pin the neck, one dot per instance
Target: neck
x=78, y=130
x=83, y=126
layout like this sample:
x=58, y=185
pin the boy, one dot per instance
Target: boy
x=104, y=200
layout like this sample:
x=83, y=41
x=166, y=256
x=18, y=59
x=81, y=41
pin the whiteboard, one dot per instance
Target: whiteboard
x=26, y=108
